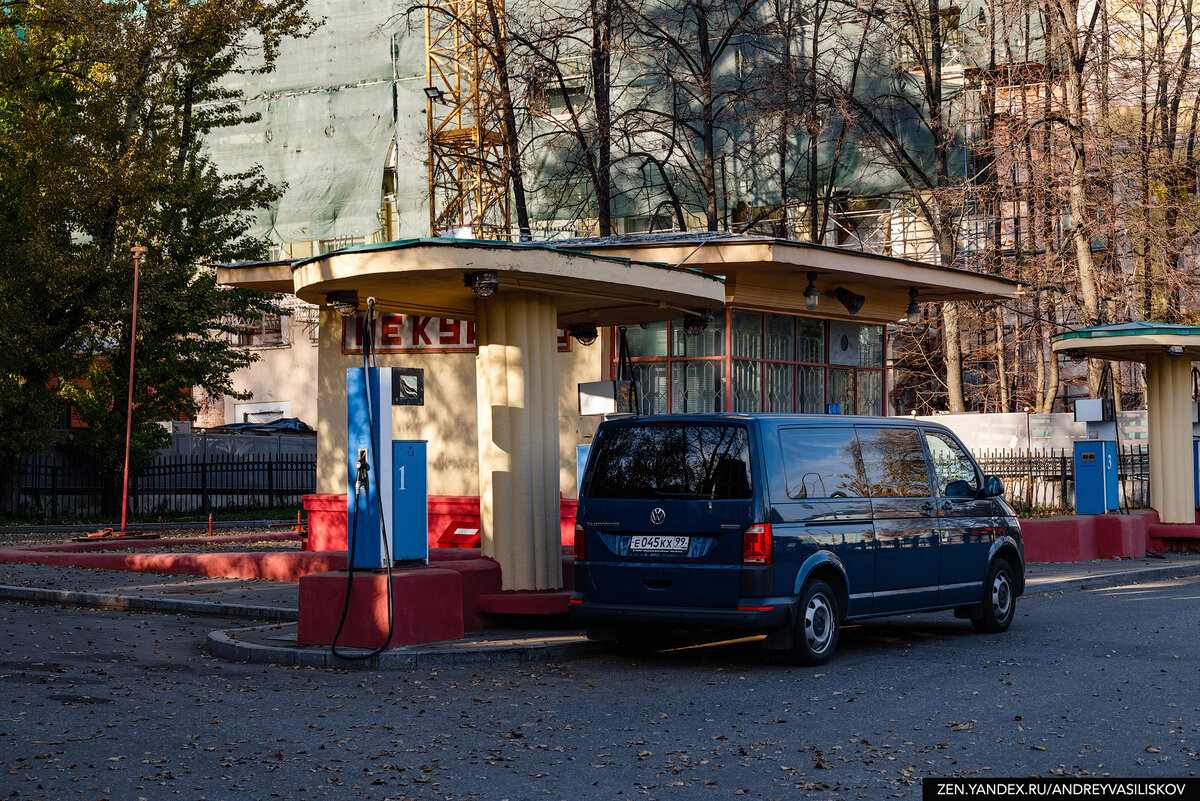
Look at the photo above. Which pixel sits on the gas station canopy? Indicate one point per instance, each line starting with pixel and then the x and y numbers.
pixel 1134 341
pixel 426 276
pixel 1167 350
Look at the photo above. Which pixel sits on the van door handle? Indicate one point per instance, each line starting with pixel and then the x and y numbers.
pixel 947 506
pixel 927 507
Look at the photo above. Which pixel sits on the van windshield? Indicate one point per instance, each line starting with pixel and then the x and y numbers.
pixel 670 460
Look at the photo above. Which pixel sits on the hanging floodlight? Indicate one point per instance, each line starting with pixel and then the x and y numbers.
pixel 585 333
pixel 913 312
pixel 695 324
pixel 343 301
pixel 483 284
pixel 812 296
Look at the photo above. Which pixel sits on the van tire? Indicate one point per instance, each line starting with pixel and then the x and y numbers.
pixel 816 626
pixel 635 641
pixel 999 599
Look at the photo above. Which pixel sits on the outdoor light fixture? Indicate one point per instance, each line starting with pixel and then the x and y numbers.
pixel 851 300
pixel 1173 351
pixel 586 333
pixel 694 324
pixel 433 93
pixel 812 295
pixel 913 312
pixel 1076 354
pixel 483 284
pixel 344 301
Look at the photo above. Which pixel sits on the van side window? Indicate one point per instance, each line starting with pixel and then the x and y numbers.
pixel 671 461
pixel 895 462
pixel 822 463
pixel 952 467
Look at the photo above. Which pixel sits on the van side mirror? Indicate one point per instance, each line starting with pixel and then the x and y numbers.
pixel 993 487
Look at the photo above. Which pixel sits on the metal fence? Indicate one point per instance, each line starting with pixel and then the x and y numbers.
pixel 1045 479
pixel 50 487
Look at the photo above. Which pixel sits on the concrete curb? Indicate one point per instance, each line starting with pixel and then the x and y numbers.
pixel 141 603
pixel 1115 579
pixel 228 645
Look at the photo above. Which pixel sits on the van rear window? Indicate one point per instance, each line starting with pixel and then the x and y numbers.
pixel 671 461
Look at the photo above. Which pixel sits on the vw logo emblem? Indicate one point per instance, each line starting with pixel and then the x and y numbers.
pixel 657 515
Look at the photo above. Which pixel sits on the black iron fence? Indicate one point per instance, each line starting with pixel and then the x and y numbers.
pixel 1044 480
pixel 50 487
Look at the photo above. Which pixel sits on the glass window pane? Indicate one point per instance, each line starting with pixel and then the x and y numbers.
pixel 677 461
pixel 870 346
pixel 870 392
pixel 844 342
pixel 781 337
pixel 894 462
pixel 841 389
pixel 812 340
pixel 651 378
pixel 747 386
pixel 780 394
pixel 746 337
pixel 822 463
pixel 709 342
pixel 697 386
pixel 647 339
pixel 811 390
pixel 953 469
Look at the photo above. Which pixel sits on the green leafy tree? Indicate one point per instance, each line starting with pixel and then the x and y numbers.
pixel 103 110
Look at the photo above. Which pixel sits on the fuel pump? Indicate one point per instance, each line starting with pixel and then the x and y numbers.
pixel 386 492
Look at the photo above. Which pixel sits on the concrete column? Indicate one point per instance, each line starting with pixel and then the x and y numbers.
pixel 1169 408
pixel 517 392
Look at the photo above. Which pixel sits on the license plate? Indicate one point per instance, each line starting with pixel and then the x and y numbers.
pixel 653 543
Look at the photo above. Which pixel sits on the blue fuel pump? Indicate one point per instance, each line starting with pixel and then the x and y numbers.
pixel 1096 462
pixel 391 515
pixel 386 492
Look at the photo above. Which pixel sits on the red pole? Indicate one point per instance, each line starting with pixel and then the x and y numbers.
pixel 138 252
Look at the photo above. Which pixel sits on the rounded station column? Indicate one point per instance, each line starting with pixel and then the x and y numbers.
pixel 1168 401
pixel 517 392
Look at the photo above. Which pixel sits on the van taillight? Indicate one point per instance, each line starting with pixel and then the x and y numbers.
pixel 579 548
pixel 756 545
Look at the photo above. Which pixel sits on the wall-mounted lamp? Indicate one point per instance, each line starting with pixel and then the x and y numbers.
pixel 586 333
pixel 913 312
pixel 343 301
pixel 812 296
pixel 695 324
pixel 1076 354
pixel 483 284
pixel 1173 351
pixel 851 300
pixel 433 93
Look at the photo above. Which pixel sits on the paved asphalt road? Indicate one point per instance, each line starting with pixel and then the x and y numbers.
pixel 107 705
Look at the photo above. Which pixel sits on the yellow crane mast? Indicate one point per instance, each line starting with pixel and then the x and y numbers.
pixel 468 186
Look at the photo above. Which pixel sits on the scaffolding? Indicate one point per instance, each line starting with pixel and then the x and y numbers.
pixel 468 185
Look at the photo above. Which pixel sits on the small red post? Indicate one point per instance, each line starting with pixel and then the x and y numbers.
pixel 299 526
pixel 210 524
pixel 138 252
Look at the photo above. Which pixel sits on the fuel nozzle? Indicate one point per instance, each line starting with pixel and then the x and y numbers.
pixel 361 471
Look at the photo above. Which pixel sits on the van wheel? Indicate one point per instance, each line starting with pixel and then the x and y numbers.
pixel 816 627
pixel 999 601
pixel 635 641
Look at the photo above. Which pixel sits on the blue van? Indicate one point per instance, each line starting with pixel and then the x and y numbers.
pixel 787 525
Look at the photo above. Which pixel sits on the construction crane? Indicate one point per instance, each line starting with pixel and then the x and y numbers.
pixel 468 186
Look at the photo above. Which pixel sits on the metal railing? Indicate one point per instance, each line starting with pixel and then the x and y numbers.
pixel 1044 480
pixel 48 487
